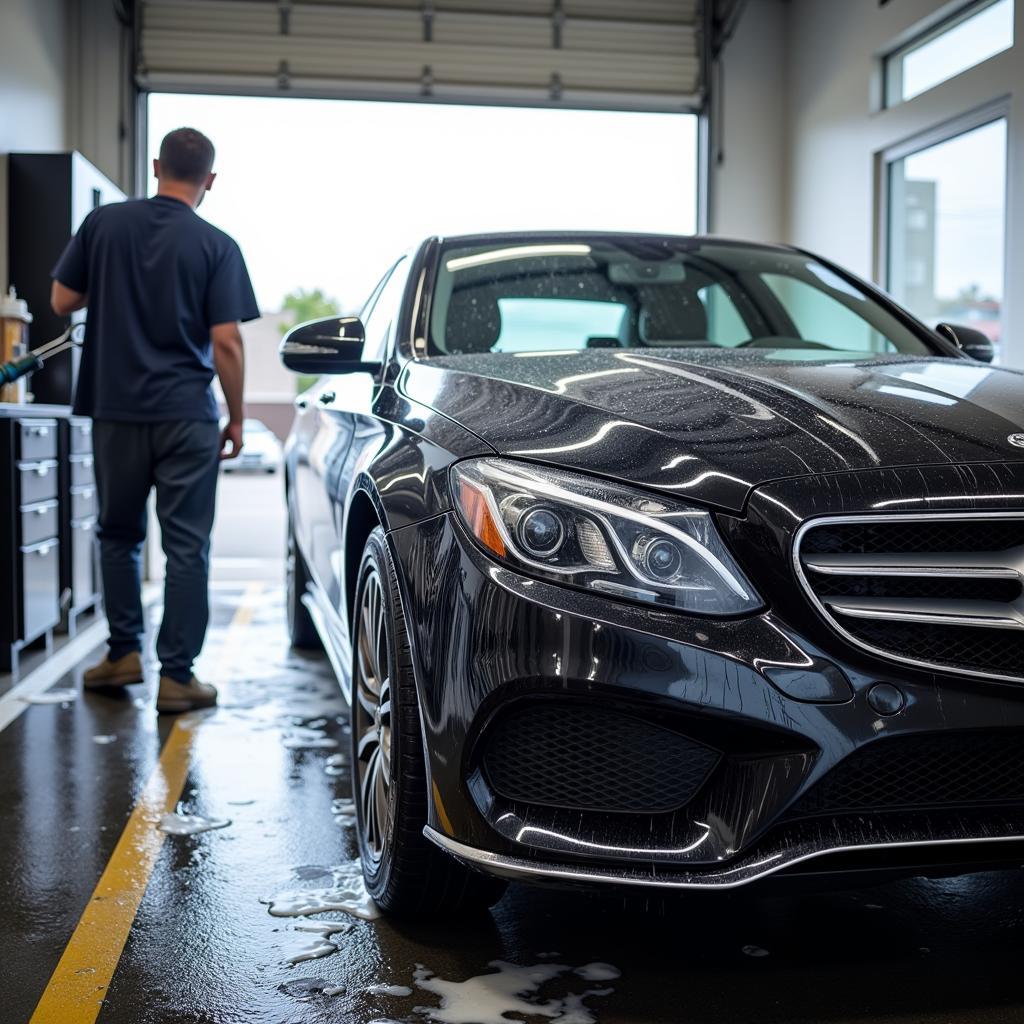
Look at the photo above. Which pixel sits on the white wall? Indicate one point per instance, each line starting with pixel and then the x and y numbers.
pixel 748 139
pixel 826 113
pixel 33 88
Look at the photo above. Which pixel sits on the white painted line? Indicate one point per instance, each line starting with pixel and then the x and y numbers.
pixel 58 664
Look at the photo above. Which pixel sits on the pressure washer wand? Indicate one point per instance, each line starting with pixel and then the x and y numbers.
pixel 10 372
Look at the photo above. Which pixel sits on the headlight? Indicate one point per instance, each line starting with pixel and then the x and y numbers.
pixel 575 530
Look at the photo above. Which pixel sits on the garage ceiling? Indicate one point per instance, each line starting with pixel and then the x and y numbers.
pixel 614 54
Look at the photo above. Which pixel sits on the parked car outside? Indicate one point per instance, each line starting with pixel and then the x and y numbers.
pixel 669 562
pixel 261 450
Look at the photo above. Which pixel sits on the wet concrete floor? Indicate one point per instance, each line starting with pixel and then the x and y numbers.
pixel 203 946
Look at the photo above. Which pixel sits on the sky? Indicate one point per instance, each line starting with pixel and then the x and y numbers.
pixel 328 193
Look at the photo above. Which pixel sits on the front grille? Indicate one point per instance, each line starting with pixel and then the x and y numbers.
pixel 963 770
pixel 593 759
pixel 941 591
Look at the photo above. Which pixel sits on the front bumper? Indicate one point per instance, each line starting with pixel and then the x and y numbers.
pixel 485 640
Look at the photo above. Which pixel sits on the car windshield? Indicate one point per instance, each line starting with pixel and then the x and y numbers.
pixel 558 295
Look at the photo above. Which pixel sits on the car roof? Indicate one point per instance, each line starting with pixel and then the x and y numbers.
pixel 485 238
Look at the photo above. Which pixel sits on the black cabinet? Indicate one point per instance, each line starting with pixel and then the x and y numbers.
pixel 49 195
pixel 30 527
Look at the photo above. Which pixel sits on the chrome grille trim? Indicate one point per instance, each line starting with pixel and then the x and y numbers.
pixel 1007 564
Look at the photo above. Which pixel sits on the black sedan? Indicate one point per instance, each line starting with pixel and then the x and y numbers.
pixel 659 561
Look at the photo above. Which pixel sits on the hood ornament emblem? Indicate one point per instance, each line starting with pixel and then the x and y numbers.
pixel 1017 440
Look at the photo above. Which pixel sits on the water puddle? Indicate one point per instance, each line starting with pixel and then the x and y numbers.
pixel 62 696
pixel 511 989
pixel 181 824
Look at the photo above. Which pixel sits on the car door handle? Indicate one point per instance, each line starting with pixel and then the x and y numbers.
pixel 326 397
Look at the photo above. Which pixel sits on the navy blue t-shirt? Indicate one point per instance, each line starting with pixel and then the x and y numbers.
pixel 158 277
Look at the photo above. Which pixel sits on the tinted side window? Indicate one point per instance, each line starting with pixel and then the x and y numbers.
pixel 384 312
pixel 725 325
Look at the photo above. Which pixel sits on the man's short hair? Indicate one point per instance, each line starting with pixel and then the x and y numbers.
pixel 186 155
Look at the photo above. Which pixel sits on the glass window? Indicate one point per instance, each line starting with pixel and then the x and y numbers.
pixel 947 215
pixel 384 311
pixel 822 319
pixel 537 325
pixel 725 325
pixel 980 32
pixel 553 294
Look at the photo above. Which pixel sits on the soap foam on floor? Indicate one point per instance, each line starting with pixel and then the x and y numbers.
pixel 389 990
pixel 303 738
pixel 346 894
pixel 62 696
pixel 489 998
pixel 181 824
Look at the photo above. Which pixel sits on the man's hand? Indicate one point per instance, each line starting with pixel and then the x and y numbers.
pixel 229 358
pixel 231 440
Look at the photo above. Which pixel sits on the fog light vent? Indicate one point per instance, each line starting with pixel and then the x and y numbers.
pixel 593 759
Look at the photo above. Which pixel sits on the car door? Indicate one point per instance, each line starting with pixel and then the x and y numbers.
pixel 314 433
pixel 345 426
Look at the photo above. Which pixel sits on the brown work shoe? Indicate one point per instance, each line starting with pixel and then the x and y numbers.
pixel 174 697
pixel 123 672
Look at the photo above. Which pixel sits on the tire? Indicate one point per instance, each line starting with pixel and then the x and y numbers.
pixel 404 872
pixel 301 631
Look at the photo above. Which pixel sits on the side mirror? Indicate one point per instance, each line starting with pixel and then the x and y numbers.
pixel 970 341
pixel 331 345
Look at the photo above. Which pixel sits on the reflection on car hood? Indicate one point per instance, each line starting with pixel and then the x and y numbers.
pixel 711 425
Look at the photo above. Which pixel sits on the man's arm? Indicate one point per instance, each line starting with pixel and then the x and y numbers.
pixel 65 300
pixel 229 358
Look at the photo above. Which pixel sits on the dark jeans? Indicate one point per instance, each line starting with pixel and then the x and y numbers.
pixel 179 459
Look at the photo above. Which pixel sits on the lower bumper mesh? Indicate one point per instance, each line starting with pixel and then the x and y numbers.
pixel 593 759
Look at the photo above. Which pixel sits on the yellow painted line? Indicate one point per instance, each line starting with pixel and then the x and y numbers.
pixel 80 981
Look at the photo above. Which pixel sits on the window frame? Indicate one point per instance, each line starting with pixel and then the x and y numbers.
pixel 890 96
pixel 998 110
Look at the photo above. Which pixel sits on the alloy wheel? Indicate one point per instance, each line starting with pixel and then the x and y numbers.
pixel 373 716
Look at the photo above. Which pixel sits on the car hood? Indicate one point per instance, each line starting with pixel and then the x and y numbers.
pixel 712 425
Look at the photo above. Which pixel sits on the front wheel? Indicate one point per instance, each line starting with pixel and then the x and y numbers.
pixel 404 872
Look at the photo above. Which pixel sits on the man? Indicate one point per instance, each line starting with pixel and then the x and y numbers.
pixel 166 291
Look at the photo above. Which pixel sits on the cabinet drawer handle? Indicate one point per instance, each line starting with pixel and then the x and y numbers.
pixel 42 470
pixel 38 431
pixel 42 551
pixel 41 511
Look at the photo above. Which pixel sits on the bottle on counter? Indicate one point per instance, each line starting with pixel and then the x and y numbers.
pixel 14 321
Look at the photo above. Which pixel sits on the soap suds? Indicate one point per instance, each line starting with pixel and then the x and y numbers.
pixel 52 697
pixel 181 824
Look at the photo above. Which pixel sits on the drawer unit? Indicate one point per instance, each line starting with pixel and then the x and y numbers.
pixel 37 440
pixel 83 502
pixel 39 522
pixel 34 506
pixel 37 481
pixel 80 432
pixel 82 474
pixel 40 591
pixel 83 562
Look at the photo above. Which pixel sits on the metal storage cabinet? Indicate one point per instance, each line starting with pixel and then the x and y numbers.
pixel 79 578
pixel 29 529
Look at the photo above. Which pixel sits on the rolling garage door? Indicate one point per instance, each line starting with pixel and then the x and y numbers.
pixel 621 54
